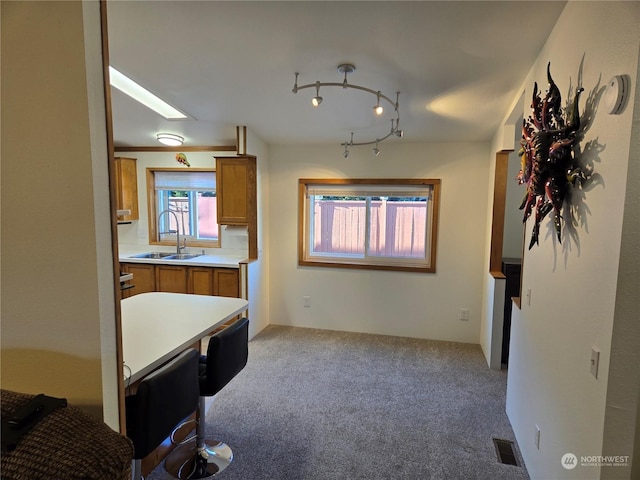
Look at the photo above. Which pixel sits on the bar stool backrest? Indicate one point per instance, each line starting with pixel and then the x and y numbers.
pixel 163 399
pixel 227 355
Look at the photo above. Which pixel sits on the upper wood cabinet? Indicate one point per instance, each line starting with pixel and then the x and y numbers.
pixel 126 187
pixel 236 189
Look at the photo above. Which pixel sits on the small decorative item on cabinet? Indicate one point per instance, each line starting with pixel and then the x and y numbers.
pixel 182 158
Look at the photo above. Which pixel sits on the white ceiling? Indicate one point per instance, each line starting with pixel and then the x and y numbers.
pixel 457 64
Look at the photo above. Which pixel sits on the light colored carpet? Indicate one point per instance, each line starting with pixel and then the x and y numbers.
pixel 317 404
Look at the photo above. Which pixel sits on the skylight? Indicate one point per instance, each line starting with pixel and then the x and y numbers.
pixel 142 95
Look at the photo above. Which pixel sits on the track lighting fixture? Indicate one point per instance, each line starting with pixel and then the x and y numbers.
pixel 378 109
pixel 317 100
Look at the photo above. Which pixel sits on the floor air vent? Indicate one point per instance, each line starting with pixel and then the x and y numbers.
pixel 505 451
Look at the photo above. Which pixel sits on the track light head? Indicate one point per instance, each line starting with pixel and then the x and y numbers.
pixel 378 110
pixel 376 150
pixel 317 100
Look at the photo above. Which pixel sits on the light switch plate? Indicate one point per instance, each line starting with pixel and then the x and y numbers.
pixel 595 361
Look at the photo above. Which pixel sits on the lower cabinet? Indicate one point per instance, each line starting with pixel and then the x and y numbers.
pixel 200 281
pixel 170 278
pixel 224 282
pixel 144 278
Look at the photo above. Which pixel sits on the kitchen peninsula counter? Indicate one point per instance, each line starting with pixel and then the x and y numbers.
pixel 174 321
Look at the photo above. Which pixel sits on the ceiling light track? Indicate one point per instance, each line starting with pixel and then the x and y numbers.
pixel 378 109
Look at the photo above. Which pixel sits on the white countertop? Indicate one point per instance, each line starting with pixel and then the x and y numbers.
pixel 207 260
pixel 156 326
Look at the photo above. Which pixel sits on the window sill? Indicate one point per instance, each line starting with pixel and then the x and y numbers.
pixel 362 266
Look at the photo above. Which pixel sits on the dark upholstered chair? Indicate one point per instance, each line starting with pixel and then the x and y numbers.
pixel 227 355
pixel 66 443
pixel 163 399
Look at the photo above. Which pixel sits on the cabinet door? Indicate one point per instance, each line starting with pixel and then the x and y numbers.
pixel 170 278
pixel 127 187
pixel 226 282
pixel 144 279
pixel 200 281
pixel 235 187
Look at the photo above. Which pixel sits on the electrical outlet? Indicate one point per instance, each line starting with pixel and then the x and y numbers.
pixel 528 297
pixel 307 301
pixel 595 361
pixel 464 314
pixel 537 439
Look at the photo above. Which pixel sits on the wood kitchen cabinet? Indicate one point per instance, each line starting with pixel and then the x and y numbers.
pixel 200 281
pixel 236 190
pixel 171 278
pixel 147 277
pixel 144 277
pixel 126 187
pixel 224 282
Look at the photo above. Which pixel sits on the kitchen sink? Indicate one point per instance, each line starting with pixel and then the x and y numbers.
pixel 153 255
pixel 182 256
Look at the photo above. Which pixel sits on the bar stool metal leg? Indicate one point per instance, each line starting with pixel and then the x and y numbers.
pixel 199 457
pixel 227 355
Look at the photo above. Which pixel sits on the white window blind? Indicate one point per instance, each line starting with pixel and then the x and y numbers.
pixel 423 191
pixel 193 181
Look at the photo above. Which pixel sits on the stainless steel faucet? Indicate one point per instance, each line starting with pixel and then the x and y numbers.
pixel 178 247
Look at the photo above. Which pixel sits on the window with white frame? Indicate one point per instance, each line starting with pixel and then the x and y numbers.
pixel 386 224
pixel 184 202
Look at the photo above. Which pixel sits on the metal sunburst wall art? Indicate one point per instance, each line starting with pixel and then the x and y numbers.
pixel 548 164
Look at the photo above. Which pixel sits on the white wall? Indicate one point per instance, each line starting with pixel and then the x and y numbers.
pixel 623 392
pixel 512 239
pixel 574 284
pixel 393 303
pixel 58 325
pixel 258 294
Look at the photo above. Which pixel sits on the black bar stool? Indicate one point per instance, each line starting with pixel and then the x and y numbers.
pixel 164 398
pixel 227 354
